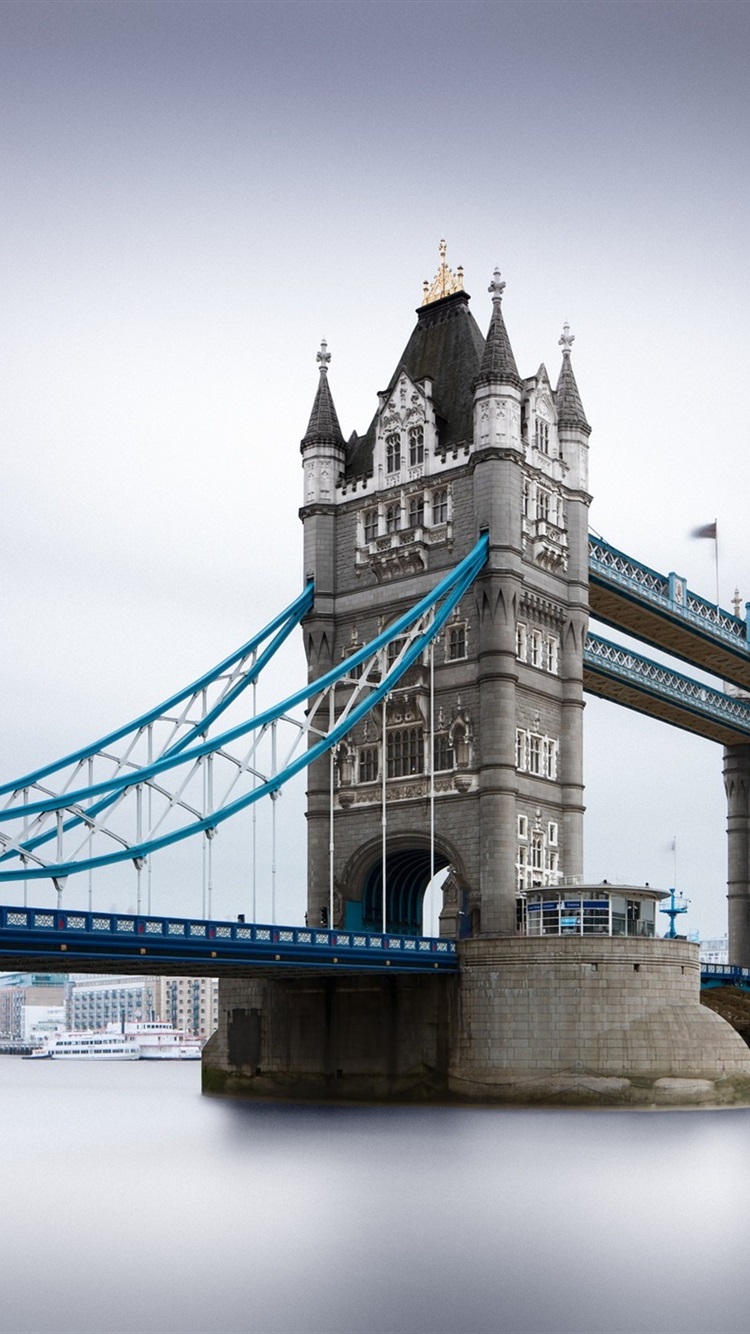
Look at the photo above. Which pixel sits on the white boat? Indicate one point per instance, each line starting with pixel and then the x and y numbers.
pixel 88 1046
pixel 160 1042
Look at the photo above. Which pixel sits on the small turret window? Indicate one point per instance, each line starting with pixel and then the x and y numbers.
pixel 371 525
pixel 393 452
pixel 416 446
pixel 416 512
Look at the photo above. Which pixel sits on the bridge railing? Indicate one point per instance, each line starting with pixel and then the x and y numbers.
pixel 602 656
pixel 725 974
pixel 190 933
pixel 667 591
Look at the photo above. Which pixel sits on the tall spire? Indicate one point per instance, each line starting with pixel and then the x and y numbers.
pixel 567 398
pixel 498 362
pixel 324 423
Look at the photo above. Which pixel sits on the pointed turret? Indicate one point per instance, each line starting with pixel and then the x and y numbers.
pixel 323 448
pixel 567 398
pixel 323 426
pixel 498 363
pixel 498 387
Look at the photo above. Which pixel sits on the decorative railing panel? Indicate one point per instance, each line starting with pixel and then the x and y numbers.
pixel 667 592
pixel 601 655
pixel 153 940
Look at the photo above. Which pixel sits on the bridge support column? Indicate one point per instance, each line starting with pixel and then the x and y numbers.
pixel 737 786
pixel 555 1019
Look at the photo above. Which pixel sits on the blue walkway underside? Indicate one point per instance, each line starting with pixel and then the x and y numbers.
pixel 69 941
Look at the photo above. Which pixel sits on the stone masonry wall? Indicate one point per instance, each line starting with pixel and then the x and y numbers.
pixel 610 1020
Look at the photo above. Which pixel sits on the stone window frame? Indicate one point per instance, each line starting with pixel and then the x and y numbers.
pixel 521 641
pixel 393 517
pixel 552 654
pixel 368 764
pixel 440 505
pixel 416 445
pixel 537 862
pixel 405 750
pixel 443 754
pixel 393 452
pixel 537 754
pixel 371 524
pixel 393 649
pixel 541 435
pixel 416 510
pixel 547 644
pixel 456 642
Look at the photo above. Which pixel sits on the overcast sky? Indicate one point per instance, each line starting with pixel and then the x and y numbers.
pixel 195 193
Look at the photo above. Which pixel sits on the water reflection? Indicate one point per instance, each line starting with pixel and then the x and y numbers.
pixel 131 1205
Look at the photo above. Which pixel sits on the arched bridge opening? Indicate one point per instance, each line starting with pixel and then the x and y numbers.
pixel 408 872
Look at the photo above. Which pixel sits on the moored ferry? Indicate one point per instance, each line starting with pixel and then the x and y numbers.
pixel 88 1046
pixel 160 1042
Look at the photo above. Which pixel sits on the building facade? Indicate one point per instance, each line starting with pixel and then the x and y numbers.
pixel 28 999
pixel 460 444
pixel 188 1003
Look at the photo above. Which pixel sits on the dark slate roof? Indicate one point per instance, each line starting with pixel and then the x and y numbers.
pixel 498 362
pixel 324 423
pixel 446 346
pixel 567 398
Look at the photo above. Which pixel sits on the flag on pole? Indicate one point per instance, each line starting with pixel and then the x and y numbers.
pixel 711 530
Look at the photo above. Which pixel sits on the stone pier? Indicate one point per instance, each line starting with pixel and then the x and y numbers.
pixel 567 1020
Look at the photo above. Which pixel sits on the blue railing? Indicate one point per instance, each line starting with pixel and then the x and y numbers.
pixel 37 932
pixel 725 975
pixel 604 658
pixel 667 593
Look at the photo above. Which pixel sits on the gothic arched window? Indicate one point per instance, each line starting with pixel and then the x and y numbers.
pixel 416 446
pixel 393 451
pixel 440 506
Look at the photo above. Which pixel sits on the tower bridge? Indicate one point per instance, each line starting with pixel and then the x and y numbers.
pixel 449 577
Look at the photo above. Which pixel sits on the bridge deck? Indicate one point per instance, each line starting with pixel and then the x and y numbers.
pixel 661 611
pixel 618 674
pixel 724 975
pixel 47 940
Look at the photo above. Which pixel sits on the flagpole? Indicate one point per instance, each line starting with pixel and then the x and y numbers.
pixel 716 556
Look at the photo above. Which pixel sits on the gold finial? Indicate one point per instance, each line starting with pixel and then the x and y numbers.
pixel 323 356
pixel 445 282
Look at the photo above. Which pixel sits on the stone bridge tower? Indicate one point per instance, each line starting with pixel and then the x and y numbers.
pixel 461 443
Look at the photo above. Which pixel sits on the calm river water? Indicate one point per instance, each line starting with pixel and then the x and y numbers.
pixel 131 1204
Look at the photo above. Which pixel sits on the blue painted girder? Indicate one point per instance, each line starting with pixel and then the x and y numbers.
pixel 62 941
